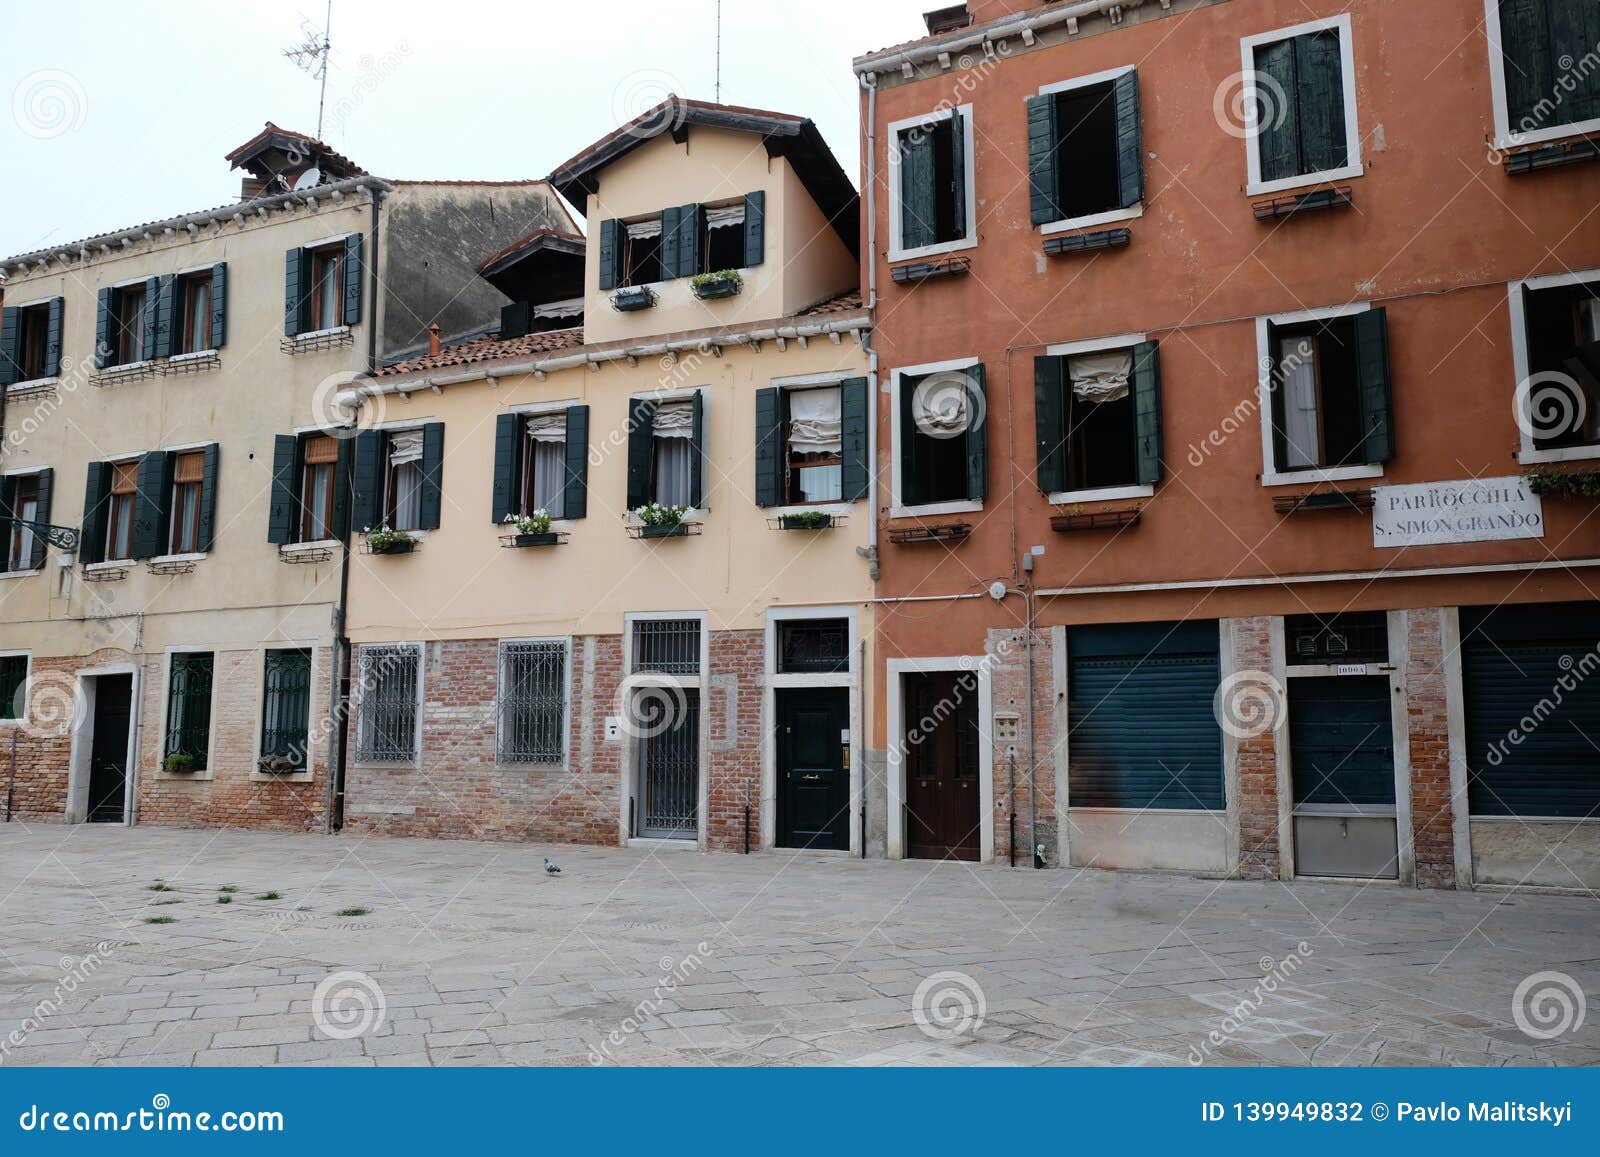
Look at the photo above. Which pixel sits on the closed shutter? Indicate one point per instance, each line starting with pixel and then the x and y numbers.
pixel 1130 139
pixel 610 252
pixel 1050 423
pixel 281 511
pixel 641 451
pixel 1574 41
pixel 219 305
pixel 96 488
pixel 916 188
pixel 1147 410
pixel 366 486
pixel 855 472
pixel 1277 118
pixel 958 175
pixel 52 338
pixel 504 499
pixel 1372 378
pixel 354 276
pixel 343 488
pixel 1140 728
pixel 164 307
pixel 671 239
pixel 910 470
pixel 691 228
pixel 1531 695
pixel 208 497
pixel 296 291
pixel 977 435
pixel 10 345
pixel 1044 194
pixel 432 497
pixel 102 329
pixel 769 446
pixel 151 504
pixel 755 227
pixel 575 495
pixel 697 451
pixel 152 316
pixel 8 505
pixel 45 481
pixel 1525 46
pixel 1319 74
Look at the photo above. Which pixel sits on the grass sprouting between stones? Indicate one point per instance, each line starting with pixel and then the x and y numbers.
pixel 160 919
pixel 353 912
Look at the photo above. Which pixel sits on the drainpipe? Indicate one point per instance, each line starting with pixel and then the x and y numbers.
pixel 870 551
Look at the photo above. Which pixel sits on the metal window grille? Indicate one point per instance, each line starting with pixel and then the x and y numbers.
pixel 533 678
pixel 1352 637
pixel 667 646
pixel 671 775
pixel 286 704
pixel 388 730
pixel 189 707
pixel 13 678
pixel 813 646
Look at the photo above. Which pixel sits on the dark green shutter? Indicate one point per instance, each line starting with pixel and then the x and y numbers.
pixel 354 276
pixel 641 450
pixel 285 491
pixel 103 336
pixel 977 435
pixel 610 252
pixel 208 498
pixel 366 488
pixel 575 495
pixel 219 305
pixel 296 292
pixel 165 306
pixel 671 239
pixel 96 489
pixel 504 498
pixel 1044 195
pixel 10 345
pixel 432 497
pixel 1277 117
pixel 152 504
pixel 910 471
pixel 769 446
pixel 916 188
pixel 755 227
pixel 343 488
pixel 691 228
pixel 1319 71
pixel 1525 47
pixel 152 317
pixel 958 174
pixel 1372 379
pixel 45 481
pixel 855 407
pixel 1049 423
pixel 1574 40
pixel 697 451
pixel 8 509
pixel 1146 386
pixel 52 337
pixel 1130 139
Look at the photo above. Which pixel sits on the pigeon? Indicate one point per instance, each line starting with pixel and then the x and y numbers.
pixel 550 869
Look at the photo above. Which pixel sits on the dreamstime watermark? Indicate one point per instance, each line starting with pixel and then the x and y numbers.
pixel 1249 703
pixel 1549 404
pixel 50 704
pixel 1566 683
pixel 947 404
pixel 1277 973
pixel 23 424
pixel 1548 1004
pixel 1249 103
pixel 160 1117
pixel 948 1005
pixel 966 684
pixel 673 974
pixel 74 975
pixel 348 1004
pixel 1274 372
pixel 650 704
pixel 49 103
pixel 373 71
pixel 646 103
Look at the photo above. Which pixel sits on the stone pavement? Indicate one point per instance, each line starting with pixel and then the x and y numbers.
pixel 473 956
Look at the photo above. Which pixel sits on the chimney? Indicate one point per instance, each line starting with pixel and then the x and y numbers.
pixel 947 19
pixel 251 187
pixel 433 340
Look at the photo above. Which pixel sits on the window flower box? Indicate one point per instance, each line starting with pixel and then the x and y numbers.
pixel 384 540
pixel 632 298
pixel 178 762
pixel 807 520
pixel 664 530
pixel 710 286
pixel 531 530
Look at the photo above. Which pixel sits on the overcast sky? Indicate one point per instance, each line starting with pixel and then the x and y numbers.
pixel 121 110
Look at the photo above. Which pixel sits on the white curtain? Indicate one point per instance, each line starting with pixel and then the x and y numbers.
pixel 673 420
pixel 405 462
pixel 1101 377
pixel 1298 367
pixel 548 427
pixel 405 446
pixel 815 421
pixel 724 215
pixel 549 477
pixel 642 229
pixel 672 469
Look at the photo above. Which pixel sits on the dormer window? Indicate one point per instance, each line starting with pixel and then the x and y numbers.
pixel 723 244
pixel 641 260
pixel 683 240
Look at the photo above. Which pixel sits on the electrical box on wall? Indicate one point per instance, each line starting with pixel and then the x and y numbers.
pixel 613 728
pixel 1005 727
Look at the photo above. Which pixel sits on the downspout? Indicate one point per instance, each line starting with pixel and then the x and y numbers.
pixel 870 83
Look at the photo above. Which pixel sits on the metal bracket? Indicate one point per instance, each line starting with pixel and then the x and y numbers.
pixel 63 537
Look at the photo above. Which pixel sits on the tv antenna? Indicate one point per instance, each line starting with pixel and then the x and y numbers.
pixel 719 51
pixel 311 56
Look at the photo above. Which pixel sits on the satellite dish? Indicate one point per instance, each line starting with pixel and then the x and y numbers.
pixel 309 179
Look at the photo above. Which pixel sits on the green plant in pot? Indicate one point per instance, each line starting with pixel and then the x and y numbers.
pixel 1565 483
pixel 386 540
pixel 721 283
pixel 657 521
pixel 806 520
pixel 178 761
pixel 532 529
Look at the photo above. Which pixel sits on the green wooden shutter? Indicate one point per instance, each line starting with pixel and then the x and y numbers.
pixel 296 292
pixel 219 305
pixel 1130 139
pixel 1277 115
pixel 10 345
pixel 610 252
pixel 164 307
pixel 916 188
pixel 1044 174
pixel 45 480
pixel 755 227
pixel 343 488
pixel 152 504
pixel 366 485
pixel 691 228
pixel 354 276
pixel 503 498
pixel 1372 379
pixel 1319 72
pixel 52 338
pixel 1525 47
pixel 285 491
pixel 1050 423
pixel 575 495
pixel 769 446
pixel 855 406
pixel 102 329
pixel 958 174
pixel 910 468
pixel 152 316
pixel 1574 40
pixel 671 239
pixel 977 435
pixel 641 450
pixel 8 505
pixel 96 488
pixel 432 497
pixel 208 497
pixel 697 451
pixel 1147 411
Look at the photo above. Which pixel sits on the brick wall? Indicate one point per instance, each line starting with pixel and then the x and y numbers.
pixel 1259 851
pixel 1432 812
pixel 1008 665
pixel 37 785
pixel 731 713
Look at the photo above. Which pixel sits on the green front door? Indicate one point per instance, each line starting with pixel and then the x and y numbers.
pixel 813 767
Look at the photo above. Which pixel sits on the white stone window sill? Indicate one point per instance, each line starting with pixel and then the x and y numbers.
pixel 690 516
pixel 128 367
pixel 1564 454
pixel 16 574
pixel 315 334
pixel 110 564
pixel 684 845
pixel 968 242
pixel 1329 474
pixel 935 509
pixel 821 508
pixel 1100 494
pixel 1546 136
pixel 317 544
pixel 32 384
pixel 1260 188
pixel 1108 217
pixel 196 356
pixel 195 556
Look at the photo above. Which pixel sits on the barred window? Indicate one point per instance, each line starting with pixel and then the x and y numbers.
pixel 285 706
pixel 388 725
pixel 667 646
pixel 533 680
pixel 189 707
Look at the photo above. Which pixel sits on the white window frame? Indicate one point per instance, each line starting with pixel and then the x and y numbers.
pixel 211 720
pixel 927 509
pixel 1100 493
pixel 1066 224
pixel 566 703
pixel 694 513
pixel 892 132
pixel 1518 307
pixel 1266 363
pixel 260 715
pixel 1352 129
pixel 421 650
pixel 799 382
pixel 27 683
pixel 1505 137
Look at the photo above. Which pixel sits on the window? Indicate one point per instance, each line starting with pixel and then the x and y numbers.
pixel 193 300
pixel 318 479
pixel 666 646
pixel 119 515
pixel 390 709
pixel 322 288
pixel 188 488
pixel 931 204
pixel 33 340
pixel 665 452
pixel 1326 385
pixel 24 549
pixel 1085 150
pixel 1560 402
pixel 641 261
pixel 1300 102
pixel 532 704
pixel 544 465
pixel 812 445
pixel 541 462
pixel 189 706
pixel 671 434
pixel 128 342
pixel 1098 417
pixel 13 686
pixel 1542 55
pixel 723 244
pixel 286 709
pixel 813 646
pixel 941 453
pixel 327 287
pixel 402 507
pixel 683 240
pixel 1347 637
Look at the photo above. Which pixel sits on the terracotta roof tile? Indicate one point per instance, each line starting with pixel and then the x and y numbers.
pixel 488 350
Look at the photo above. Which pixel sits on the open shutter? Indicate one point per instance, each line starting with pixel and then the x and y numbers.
pixel 151 503
pixel 1147 411
pixel 354 276
pixel 610 252
pixel 52 337
pixel 296 292
pixel 1049 422
pixel 504 498
pixel 697 451
pixel 102 329
pixel 10 345
pixel 1044 196
pixel 855 406
pixel 977 436
pixel 280 514
pixel 575 496
pixel 8 503
pixel 1277 117
pixel 691 228
pixel 343 488
pixel 1320 76
pixel 164 307
pixel 958 174
pixel 366 486
pixel 152 317
pixel 916 188
pixel 92 546
pixel 755 227
pixel 45 481
pixel 1372 380
pixel 431 499
pixel 641 450
pixel 671 239
pixel 208 497
pixel 769 446
pixel 219 305
pixel 1130 139
pixel 910 475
